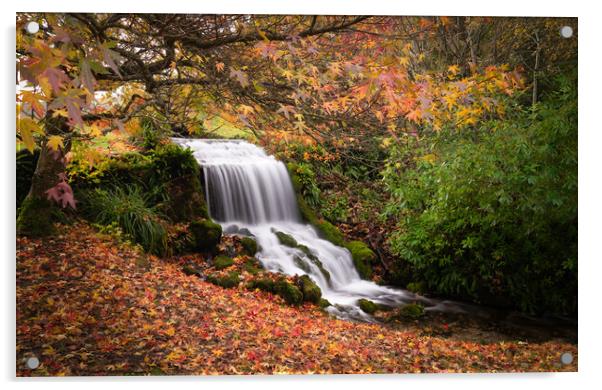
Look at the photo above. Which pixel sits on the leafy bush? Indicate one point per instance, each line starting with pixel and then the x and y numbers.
pixel 128 206
pixel 491 216
pixel 304 181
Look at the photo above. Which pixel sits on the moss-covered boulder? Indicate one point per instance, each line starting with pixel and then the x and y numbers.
pixel 222 262
pixel 226 281
pixel 206 234
pixel 289 292
pixel 252 266
pixel 311 291
pixel 185 199
pixel 249 245
pixel 36 218
pixel 363 257
pixel 324 303
pixel 411 311
pixel 286 239
pixel 263 284
pixel 191 269
pixel 367 306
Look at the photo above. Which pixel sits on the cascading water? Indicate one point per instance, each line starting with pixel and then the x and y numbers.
pixel 249 191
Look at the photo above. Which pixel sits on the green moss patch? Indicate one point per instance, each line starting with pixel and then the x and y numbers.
pixel 249 245
pixel 412 311
pixel 222 262
pixel 226 281
pixel 311 291
pixel 362 256
pixel 367 306
pixel 206 234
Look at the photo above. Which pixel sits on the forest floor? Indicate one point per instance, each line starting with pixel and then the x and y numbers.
pixel 87 305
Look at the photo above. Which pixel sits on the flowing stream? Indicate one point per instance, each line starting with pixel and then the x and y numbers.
pixel 250 192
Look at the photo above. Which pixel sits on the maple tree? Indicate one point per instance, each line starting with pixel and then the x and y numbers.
pixel 315 77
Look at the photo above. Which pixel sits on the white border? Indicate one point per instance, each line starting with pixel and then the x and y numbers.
pixel 590 195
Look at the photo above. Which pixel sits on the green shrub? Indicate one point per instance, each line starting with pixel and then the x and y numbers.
pixel 304 182
pixel 491 216
pixel 129 207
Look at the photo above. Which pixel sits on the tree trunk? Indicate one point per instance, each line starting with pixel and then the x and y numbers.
pixel 36 213
pixel 536 68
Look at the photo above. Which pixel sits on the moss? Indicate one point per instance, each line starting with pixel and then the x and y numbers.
pixel 416 287
pixel 362 256
pixel 323 303
pixel 252 266
pixel 289 292
pixel 301 263
pixel 263 284
pixel 311 291
pixel 228 281
pixel 367 306
pixel 331 232
pixel 412 311
pixel 286 239
pixel 206 234
pixel 185 199
pixel 222 262
pixel 190 269
pixel 36 218
pixel 249 245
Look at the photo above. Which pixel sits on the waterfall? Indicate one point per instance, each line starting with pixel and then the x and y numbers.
pixel 249 191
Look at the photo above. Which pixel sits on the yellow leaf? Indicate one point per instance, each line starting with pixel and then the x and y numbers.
pixel 170 331
pixel 55 142
pixel 26 127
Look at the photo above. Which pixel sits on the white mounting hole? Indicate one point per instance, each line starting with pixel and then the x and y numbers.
pixel 566 31
pixel 32 27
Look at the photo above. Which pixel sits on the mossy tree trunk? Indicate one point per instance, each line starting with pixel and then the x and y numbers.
pixel 36 213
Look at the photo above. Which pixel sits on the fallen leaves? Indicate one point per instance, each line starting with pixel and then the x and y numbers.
pixel 84 307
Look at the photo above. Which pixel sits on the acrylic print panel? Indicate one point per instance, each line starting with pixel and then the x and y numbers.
pixel 255 194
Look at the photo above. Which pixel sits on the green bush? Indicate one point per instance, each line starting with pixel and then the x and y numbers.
pixel 129 207
pixel 491 216
pixel 304 182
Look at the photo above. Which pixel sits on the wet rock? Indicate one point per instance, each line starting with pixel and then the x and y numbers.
pixel 367 306
pixel 206 234
pixel 311 291
pixel 249 245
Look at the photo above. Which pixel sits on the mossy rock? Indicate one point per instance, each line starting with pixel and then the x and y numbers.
pixel 412 311
pixel 228 281
pixel 289 292
pixel 249 245
pixel 206 234
pixel 416 287
pixel 36 218
pixel 286 239
pixel 190 269
pixel 252 266
pixel 301 263
pixel 367 306
pixel 263 284
pixel 323 303
pixel 362 256
pixel 311 291
pixel 331 232
pixel 222 262
pixel 185 199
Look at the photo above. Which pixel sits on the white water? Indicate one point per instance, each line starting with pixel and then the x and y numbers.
pixel 246 188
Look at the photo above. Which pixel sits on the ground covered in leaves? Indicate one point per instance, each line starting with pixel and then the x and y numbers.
pixel 87 305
